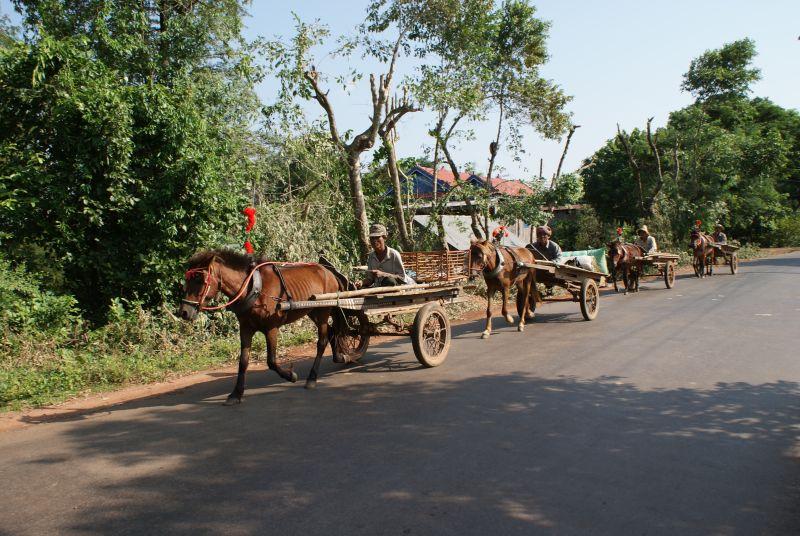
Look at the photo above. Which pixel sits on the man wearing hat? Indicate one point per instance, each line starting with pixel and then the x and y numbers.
pixel 645 241
pixel 719 236
pixel 384 264
pixel 544 246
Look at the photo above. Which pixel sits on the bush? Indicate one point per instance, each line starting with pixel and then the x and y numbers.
pixel 787 231
pixel 24 306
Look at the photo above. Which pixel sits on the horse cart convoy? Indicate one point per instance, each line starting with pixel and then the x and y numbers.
pixel 266 295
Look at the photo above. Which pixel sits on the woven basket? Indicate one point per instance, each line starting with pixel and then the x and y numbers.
pixel 432 266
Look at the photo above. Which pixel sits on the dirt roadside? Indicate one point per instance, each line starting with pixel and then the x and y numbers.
pixel 15 420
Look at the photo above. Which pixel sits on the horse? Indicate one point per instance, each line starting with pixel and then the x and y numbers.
pixel 254 288
pixel 624 258
pixel 702 247
pixel 500 267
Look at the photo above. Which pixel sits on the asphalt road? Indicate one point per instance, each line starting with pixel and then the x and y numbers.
pixel 675 412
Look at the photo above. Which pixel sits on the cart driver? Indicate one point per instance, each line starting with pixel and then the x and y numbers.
pixel 719 234
pixel 384 264
pixel 645 240
pixel 544 246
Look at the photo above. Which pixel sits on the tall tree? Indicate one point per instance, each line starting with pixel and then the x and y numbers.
pixel 726 71
pixel 123 164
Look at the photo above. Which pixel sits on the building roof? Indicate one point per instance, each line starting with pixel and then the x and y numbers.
pixel 513 187
pixel 458 231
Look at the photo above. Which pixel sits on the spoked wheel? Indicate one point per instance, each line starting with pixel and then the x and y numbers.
pixel 734 263
pixel 352 338
pixel 669 275
pixel 590 299
pixel 430 335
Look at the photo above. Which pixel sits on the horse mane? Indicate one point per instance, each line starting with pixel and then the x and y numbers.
pixel 231 257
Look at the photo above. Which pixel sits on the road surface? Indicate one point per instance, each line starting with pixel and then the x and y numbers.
pixel 675 412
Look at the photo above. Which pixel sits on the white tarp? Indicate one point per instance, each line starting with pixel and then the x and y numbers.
pixel 458 231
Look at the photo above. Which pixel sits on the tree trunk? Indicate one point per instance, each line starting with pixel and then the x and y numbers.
pixel 394 175
pixel 359 207
pixel 493 148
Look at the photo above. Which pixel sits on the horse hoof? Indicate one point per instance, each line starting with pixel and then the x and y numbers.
pixel 232 401
pixel 520 328
pixel 311 384
pixel 339 359
pixel 509 319
pixel 530 318
pixel 485 335
pixel 293 377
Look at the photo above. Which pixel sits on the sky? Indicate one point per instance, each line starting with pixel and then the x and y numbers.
pixel 622 61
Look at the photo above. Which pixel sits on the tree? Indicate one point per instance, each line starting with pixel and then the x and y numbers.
pixel 722 72
pixel 294 66
pixel 123 166
pixel 489 61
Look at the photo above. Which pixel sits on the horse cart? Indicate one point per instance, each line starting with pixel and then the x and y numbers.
pixel 664 263
pixel 729 252
pixel 359 313
pixel 584 285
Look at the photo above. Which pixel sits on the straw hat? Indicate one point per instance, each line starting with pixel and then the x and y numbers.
pixel 376 229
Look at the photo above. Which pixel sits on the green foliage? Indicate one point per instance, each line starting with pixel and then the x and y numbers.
pixel 25 306
pixel 787 231
pixel 725 71
pixel 736 160
pixel 120 154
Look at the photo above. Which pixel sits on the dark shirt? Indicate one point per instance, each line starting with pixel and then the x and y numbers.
pixel 720 238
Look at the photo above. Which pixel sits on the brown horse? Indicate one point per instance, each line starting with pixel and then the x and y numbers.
pixel 625 259
pixel 702 247
pixel 254 288
pixel 500 266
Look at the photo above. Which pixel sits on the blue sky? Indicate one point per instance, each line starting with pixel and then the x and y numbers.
pixel 621 60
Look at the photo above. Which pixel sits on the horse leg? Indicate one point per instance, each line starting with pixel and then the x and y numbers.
pixel 523 290
pixel 489 293
pixel 272 354
pixel 321 320
pixel 246 339
pixel 626 278
pixel 508 317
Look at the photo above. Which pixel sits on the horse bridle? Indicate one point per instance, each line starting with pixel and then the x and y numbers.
pixel 248 302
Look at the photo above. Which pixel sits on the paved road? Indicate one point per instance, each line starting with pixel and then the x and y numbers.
pixel 675 412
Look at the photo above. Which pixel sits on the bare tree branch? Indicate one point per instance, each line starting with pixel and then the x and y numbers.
pixel 564 154
pixel 322 98
pixel 634 166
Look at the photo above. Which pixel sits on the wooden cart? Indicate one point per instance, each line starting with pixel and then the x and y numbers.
pixel 729 253
pixel 584 285
pixel 665 263
pixel 443 274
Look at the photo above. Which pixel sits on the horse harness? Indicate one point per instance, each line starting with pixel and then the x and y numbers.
pixel 518 264
pixel 253 283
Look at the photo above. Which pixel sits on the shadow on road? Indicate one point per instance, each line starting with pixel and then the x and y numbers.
pixel 493 454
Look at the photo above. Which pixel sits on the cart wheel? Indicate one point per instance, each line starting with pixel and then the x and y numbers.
pixel 734 263
pixel 353 343
pixel 430 335
pixel 669 275
pixel 590 299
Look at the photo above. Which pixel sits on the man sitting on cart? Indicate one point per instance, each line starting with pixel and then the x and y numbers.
pixel 645 241
pixel 719 235
pixel 544 246
pixel 384 264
